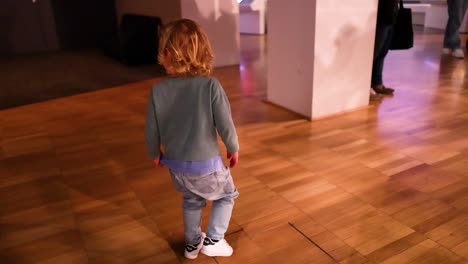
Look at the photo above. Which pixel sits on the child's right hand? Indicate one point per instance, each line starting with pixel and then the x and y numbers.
pixel 157 162
pixel 233 158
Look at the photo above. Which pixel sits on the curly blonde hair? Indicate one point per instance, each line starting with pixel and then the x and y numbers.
pixel 184 49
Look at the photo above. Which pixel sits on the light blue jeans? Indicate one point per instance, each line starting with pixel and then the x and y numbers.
pixel 196 189
pixel 456 11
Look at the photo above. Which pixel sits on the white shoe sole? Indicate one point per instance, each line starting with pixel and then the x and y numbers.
pixel 207 252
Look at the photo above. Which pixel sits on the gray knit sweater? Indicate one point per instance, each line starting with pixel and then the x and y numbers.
pixel 184 114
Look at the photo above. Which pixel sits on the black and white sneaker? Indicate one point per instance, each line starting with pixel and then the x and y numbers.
pixel 216 248
pixel 191 251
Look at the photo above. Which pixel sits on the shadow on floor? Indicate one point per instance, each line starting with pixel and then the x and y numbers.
pixel 39 77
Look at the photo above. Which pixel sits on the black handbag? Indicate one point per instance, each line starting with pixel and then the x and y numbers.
pixel 403 36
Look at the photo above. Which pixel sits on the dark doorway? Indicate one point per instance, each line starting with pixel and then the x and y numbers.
pixel 32 26
pixel 85 23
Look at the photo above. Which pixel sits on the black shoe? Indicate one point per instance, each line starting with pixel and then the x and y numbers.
pixel 375 97
pixel 381 89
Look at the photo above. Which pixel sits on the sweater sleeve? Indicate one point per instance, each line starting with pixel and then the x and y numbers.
pixel 222 118
pixel 152 130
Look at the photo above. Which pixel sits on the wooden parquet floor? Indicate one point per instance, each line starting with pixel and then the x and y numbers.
pixel 385 184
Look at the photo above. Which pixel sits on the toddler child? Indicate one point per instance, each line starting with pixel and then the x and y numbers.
pixel 185 113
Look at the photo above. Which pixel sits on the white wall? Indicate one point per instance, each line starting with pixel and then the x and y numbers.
pixel 437 16
pixel 220 19
pixel 464 25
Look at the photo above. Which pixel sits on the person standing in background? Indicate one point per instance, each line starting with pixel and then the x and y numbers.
pixel 452 42
pixel 386 18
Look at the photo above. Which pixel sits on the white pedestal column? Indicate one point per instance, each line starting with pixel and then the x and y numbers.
pixel 437 15
pixel 320 54
pixel 220 19
pixel 252 15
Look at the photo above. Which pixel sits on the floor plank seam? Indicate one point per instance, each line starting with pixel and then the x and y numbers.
pixel 241 229
pixel 311 241
pixel 74 213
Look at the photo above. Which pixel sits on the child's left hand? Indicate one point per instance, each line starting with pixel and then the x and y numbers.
pixel 233 158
